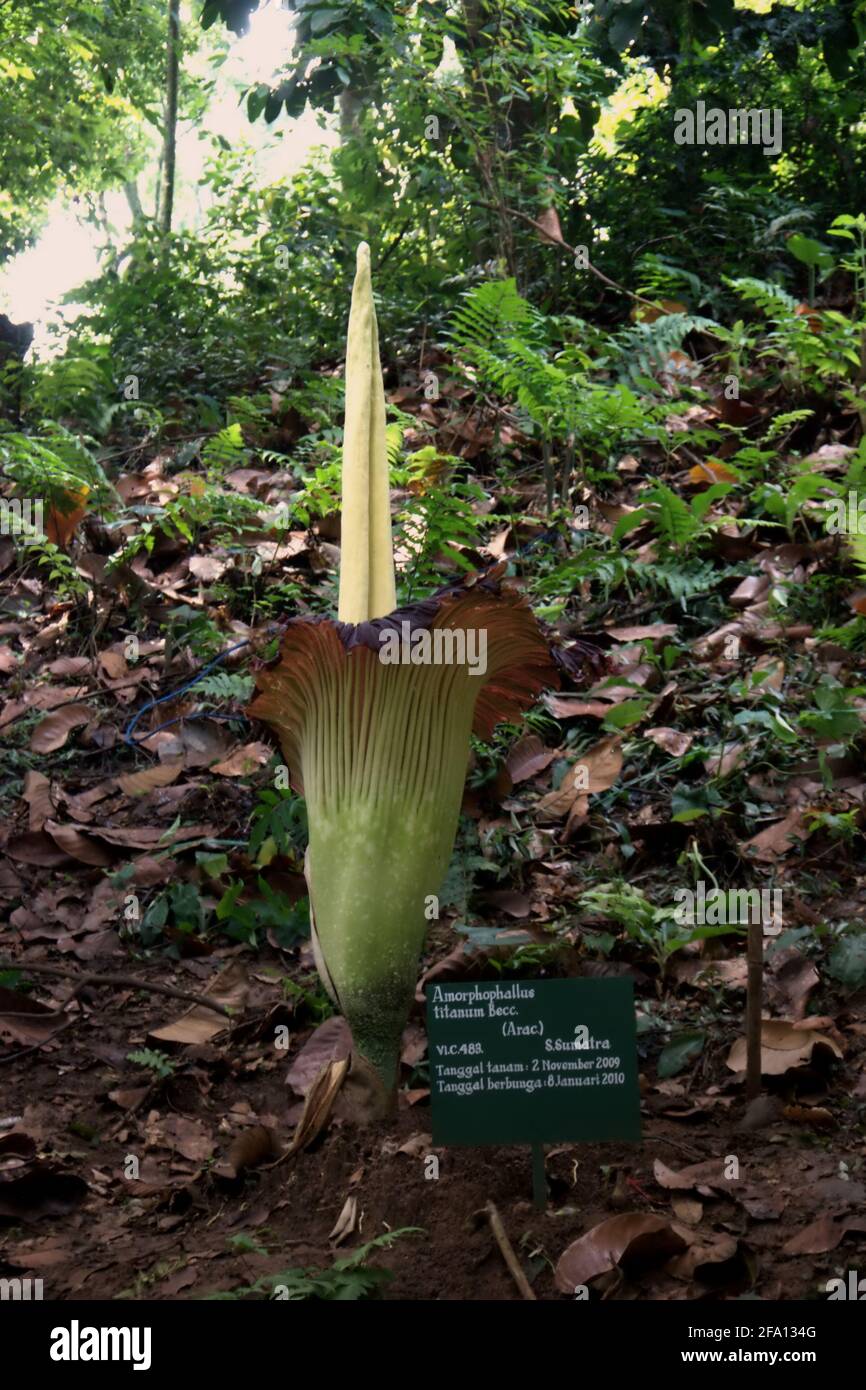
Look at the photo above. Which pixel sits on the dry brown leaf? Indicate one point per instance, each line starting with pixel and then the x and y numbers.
pixel 37 794
pixel 779 838
pixel 723 762
pixel 78 845
pixel 782 1046
pixel 562 707
pixel 346 1223
pixel 548 226
pixel 113 663
pixel 35 847
pixel 636 634
pixel 715 1250
pixel 331 1041
pixel 69 666
pixel 817 1238
pixel 61 520
pixel 708 1174
pixel 159 775
pixel 244 761
pixel 199 1024
pixel 25 1019
pixel 207 568
pixel 671 740
pixel 319 1104
pixel 251 1148
pixel 186 1136
pixel 509 901
pixel 52 732
pixel 633 1239
pixel 528 757
pixel 595 771
pixel 688 1210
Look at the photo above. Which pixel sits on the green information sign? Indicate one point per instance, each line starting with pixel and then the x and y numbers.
pixel 531 1061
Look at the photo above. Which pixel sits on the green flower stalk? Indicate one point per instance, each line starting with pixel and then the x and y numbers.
pixel 380 747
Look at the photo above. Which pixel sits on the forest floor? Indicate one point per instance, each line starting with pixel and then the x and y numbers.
pixel 139 1133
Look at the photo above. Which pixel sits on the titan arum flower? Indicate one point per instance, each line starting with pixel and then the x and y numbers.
pixel 380 748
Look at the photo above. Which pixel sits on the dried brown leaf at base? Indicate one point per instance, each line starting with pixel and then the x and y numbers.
pixel 331 1041
pixel 318 1105
pixel 688 1210
pixel 782 1046
pixel 35 847
pixel 697 1177
pixel 715 1260
pixel 251 1148
pixel 346 1223
pixel 631 1242
pixel 671 740
pixel 638 633
pixel 185 1136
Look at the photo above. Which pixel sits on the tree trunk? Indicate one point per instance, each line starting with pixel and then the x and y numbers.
pixel 166 201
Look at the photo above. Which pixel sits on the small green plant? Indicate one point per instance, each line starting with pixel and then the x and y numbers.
pixel 431 527
pixel 654 928
pixel 288 922
pixel 193 629
pixel 347 1280
pixel 53 465
pixel 176 913
pixel 225 688
pixel 309 997
pixel 161 1066
pixel 278 825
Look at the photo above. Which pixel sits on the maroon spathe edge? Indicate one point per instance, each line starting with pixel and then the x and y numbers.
pixel 575 660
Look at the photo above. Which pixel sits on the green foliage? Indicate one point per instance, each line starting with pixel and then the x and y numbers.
pixel 347 1280
pixel 54 466
pixel 224 688
pixel 73 93
pixel 429 528
pixel 161 1066
pixel 847 960
pixel 176 913
pixel 309 998
pixel 278 825
pixel 270 911
pixel 656 929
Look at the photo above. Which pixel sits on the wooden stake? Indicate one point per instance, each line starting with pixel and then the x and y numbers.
pixel 514 1267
